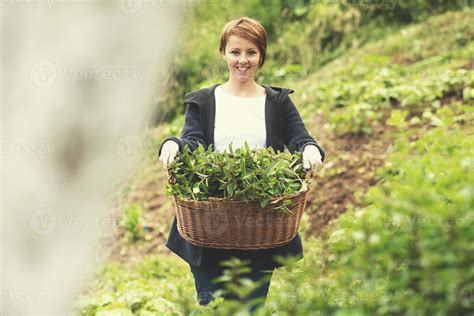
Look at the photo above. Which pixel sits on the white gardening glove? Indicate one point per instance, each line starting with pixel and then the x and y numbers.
pixel 168 152
pixel 312 158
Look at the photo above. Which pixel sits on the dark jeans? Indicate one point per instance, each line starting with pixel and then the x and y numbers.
pixel 206 286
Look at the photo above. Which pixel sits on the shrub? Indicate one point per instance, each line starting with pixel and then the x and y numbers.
pixel 132 221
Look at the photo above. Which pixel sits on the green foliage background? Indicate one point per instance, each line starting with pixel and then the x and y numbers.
pixel 303 36
pixel 404 67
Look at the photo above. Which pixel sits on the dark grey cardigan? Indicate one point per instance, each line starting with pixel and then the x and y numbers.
pixel 283 126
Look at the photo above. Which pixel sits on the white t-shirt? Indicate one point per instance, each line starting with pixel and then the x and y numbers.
pixel 239 120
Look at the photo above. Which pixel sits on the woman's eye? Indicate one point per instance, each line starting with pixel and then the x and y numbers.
pixel 234 52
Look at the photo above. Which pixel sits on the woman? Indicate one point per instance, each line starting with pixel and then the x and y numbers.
pixel 238 111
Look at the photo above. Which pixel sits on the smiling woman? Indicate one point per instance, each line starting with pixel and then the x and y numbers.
pixel 243 46
pixel 233 113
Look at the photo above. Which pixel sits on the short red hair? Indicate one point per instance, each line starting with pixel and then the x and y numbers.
pixel 249 29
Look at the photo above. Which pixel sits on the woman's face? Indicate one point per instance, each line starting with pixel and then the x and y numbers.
pixel 242 58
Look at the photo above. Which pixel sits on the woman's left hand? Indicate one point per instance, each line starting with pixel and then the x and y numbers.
pixel 312 158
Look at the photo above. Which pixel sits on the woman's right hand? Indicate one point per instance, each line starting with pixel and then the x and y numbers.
pixel 168 152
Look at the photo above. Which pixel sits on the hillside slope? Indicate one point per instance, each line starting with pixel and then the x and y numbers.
pixel 408 95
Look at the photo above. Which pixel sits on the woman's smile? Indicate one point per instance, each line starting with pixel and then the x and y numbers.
pixel 243 70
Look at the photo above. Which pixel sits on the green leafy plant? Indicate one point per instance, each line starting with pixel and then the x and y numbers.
pixel 244 173
pixel 132 221
pixel 238 286
pixel 355 105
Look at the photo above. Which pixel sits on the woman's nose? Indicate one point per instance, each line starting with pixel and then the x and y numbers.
pixel 243 58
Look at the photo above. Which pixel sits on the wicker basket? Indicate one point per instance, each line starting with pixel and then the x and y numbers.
pixel 239 224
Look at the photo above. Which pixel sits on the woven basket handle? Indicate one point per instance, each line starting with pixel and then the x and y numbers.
pixel 309 176
pixel 171 178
